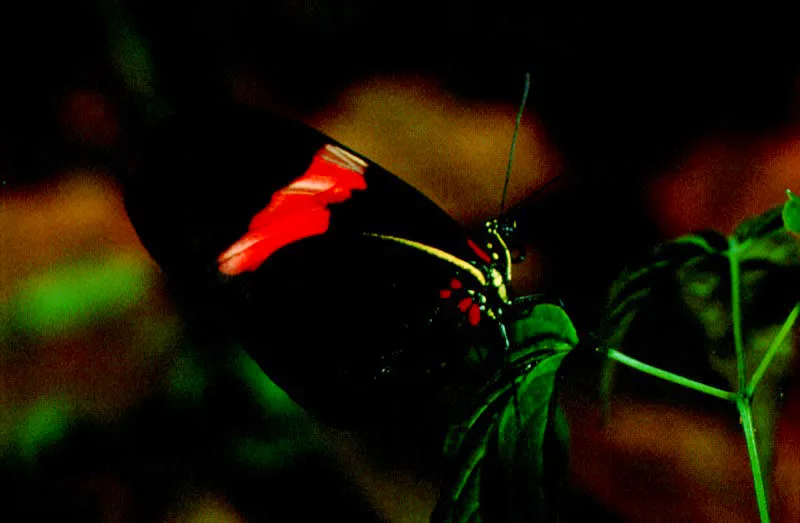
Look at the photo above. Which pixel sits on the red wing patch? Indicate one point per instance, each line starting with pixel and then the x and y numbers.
pixel 297 211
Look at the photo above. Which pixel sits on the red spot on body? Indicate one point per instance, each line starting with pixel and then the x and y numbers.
pixel 481 254
pixel 464 304
pixel 297 211
pixel 474 315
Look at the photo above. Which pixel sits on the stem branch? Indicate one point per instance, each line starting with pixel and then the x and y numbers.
pixel 669 376
pixel 772 351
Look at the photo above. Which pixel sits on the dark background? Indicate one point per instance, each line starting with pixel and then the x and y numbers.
pixel 623 95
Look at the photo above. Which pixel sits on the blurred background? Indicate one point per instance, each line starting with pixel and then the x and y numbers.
pixel 650 123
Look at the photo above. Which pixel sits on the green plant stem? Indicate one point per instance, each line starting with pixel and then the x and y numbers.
pixel 668 376
pixel 743 395
pixel 772 351
pixel 606 383
pixel 736 312
pixel 746 413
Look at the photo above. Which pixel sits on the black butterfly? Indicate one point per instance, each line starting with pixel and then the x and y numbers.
pixel 355 293
pixel 358 287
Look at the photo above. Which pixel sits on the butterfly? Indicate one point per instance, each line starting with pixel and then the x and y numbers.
pixel 362 299
pixel 344 283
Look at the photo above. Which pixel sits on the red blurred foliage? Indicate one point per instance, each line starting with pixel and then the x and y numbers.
pixel 723 181
pixel 89 118
pixel 658 463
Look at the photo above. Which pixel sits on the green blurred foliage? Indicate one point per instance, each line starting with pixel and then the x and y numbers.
pixel 273 454
pixel 129 51
pixel 187 379
pixel 75 296
pixel 43 424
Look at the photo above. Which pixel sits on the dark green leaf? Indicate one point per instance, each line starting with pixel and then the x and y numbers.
pixel 683 289
pixel 508 456
pixel 759 226
pixel 637 286
pixel 547 327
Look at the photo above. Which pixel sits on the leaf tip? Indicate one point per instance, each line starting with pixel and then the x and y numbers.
pixel 791 212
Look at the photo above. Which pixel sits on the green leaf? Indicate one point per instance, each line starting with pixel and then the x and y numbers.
pixel 656 308
pixel 759 226
pixel 546 326
pixel 791 213
pixel 635 286
pixel 508 457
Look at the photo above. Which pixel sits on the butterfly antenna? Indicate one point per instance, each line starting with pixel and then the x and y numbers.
pixel 514 139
